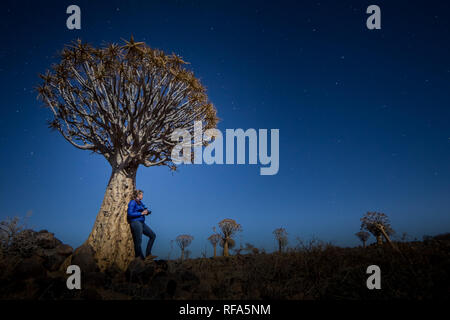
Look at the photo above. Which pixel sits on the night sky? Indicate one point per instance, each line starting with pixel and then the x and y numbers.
pixel 364 117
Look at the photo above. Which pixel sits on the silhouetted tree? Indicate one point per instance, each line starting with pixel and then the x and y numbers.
pixel 228 227
pixel 251 248
pixel 378 224
pixel 170 251
pixel 230 245
pixel 405 236
pixel 281 238
pixel 363 236
pixel 203 253
pixel 214 239
pixel 123 102
pixel 184 241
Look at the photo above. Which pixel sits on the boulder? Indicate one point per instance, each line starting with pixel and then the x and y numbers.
pixel 161 265
pixel 64 250
pixel 46 240
pixel 138 271
pixel 31 267
pixel 171 287
pixel 55 257
pixel 84 257
pixel 160 285
pixel 53 261
pixel 95 279
pixel 189 280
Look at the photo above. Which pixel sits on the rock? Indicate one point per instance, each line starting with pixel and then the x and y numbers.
pixel 162 265
pixel 84 257
pixel 160 285
pixel 138 271
pixel 46 240
pixel 112 271
pixel 171 287
pixel 57 289
pixel 64 250
pixel 53 261
pixel 96 279
pixel 32 267
pixel 189 276
pixel 55 257
pixel 135 266
pixel 189 280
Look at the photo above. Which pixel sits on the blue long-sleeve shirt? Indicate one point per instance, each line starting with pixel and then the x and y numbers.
pixel 134 212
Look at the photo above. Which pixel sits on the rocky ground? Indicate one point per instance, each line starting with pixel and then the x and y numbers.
pixel 34 269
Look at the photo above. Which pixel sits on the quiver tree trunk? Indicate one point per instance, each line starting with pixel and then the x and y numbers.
pixel 388 240
pixel 364 243
pixel 111 236
pixel 182 254
pixel 379 239
pixel 225 247
pixel 215 250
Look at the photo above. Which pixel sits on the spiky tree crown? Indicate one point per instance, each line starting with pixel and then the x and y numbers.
pixel 229 227
pixel 374 222
pixel 280 233
pixel 184 240
pixel 214 238
pixel 363 235
pixel 124 102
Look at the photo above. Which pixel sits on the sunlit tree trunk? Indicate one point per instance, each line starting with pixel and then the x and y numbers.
pixel 379 239
pixel 215 250
pixel 111 236
pixel 225 248
pixel 388 240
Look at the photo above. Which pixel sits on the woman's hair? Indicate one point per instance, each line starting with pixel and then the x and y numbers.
pixel 136 193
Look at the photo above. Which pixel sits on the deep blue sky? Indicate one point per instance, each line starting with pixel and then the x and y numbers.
pixel 364 117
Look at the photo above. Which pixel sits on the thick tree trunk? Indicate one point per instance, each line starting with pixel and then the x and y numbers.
pixel 111 236
pixel 182 254
pixel 279 246
pixel 225 248
pixel 364 244
pixel 380 240
pixel 388 240
pixel 214 251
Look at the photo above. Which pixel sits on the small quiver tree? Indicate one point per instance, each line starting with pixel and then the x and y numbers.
pixel 184 241
pixel 363 236
pixel 281 238
pixel 228 228
pixel 214 239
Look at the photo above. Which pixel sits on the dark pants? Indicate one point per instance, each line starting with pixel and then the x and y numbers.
pixel 137 229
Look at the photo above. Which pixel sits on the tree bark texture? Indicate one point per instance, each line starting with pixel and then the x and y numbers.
pixel 111 235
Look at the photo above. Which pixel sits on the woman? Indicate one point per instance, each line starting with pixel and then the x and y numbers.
pixel 136 218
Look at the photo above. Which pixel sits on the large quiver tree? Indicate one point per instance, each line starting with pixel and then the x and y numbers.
pixel 123 102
